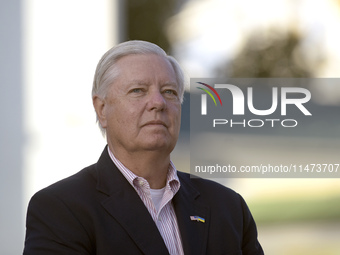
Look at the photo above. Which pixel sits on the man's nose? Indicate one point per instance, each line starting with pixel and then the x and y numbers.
pixel 156 101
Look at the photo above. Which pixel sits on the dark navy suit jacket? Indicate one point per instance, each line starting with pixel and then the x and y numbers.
pixel 96 211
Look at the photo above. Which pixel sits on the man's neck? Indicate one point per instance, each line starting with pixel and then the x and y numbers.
pixel 151 165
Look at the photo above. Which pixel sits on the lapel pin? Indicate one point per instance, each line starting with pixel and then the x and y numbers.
pixel 199 219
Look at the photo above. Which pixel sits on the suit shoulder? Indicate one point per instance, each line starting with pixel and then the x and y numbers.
pixel 77 183
pixel 207 187
pixel 218 196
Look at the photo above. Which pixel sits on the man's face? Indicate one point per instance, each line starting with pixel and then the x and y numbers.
pixel 142 109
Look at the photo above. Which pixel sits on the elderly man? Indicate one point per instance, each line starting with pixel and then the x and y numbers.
pixel 133 200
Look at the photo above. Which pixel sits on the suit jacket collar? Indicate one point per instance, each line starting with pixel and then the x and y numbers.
pixel 124 204
pixel 186 202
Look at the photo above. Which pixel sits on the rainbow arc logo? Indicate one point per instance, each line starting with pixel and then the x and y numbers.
pixel 204 97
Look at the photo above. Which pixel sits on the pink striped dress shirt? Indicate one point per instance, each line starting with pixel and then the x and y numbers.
pixel 165 217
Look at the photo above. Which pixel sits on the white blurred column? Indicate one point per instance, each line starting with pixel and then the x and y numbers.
pixel 63 42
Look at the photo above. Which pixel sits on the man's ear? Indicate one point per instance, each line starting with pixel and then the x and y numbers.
pixel 99 106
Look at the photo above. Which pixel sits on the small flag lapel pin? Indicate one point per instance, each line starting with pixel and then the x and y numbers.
pixel 199 219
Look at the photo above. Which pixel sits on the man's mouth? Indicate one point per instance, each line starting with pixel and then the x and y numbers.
pixel 155 123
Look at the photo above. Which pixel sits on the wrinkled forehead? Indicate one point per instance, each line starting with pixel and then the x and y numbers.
pixel 145 67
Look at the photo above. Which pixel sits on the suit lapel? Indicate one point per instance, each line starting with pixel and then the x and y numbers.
pixel 194 233
pixel 127 208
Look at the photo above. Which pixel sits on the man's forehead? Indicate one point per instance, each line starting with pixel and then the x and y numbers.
pixel 134 63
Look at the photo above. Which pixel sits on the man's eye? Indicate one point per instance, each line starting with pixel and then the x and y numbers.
pixel 170 91
pixel 136 90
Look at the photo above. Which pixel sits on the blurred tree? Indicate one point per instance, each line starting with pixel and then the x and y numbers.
pixel 146 20
pixel 280 55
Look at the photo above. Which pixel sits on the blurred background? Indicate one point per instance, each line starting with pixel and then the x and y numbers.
pixel 49 51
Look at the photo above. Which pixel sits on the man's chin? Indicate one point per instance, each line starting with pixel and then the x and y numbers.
pixel 161 147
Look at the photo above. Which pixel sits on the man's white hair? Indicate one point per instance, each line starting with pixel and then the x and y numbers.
pixel 106 71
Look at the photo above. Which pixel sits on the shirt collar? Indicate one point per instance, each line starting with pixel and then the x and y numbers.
pixel 172 181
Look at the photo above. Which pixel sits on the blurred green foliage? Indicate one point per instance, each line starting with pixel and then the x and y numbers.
pixel 296 210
